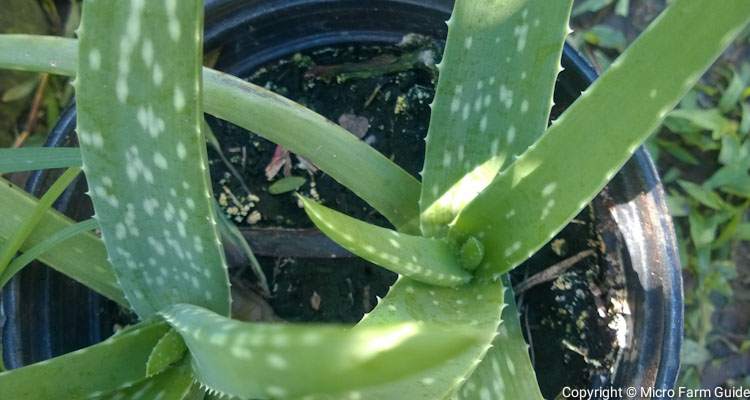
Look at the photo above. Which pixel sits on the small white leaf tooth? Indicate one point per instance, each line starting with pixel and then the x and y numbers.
pixel 568 30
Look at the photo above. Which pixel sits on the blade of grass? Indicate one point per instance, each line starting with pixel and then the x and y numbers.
pixel 14 242
pixel 47 244
pixel 83 256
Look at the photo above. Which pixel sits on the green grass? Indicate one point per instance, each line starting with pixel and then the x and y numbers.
pixel 703 155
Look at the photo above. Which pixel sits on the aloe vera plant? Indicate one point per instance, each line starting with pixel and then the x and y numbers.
pixel 497 184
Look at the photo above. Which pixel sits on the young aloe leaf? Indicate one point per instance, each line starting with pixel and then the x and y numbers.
pixel 16 241
pixel 376 179
pixel 176 383
pixel 144 153
pixel 286 185
pixel 423 259
pixel 119 361
pixel 506 371
pixel 488 108
pixel 47 244
pixel 35 158
pixel 169 350
pixel 477 305
pixel 544 189
pixel 289 361
pixel 81 257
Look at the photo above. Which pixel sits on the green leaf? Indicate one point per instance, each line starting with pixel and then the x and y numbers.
pixel 288 361
pixel 606 37
pixel 20 91
pixel 35 158
pixel 46 245
pixel 477 305
pixel 14 243
pixel 622 8
pixel 590 6
pixel 353 163
pixel 373 177
pixel 745 124
pixel 81 257
pixel 119 361
pixel 506 371
pixel 702 229
pixel 176 383
pixel 144 153
pixel 549 184
pixel 286 185
pixel 233 239
pixel 427 260
pixel 169 350
pixel 708 119
pixel 732 93
pixel 704 196
pixel 488 109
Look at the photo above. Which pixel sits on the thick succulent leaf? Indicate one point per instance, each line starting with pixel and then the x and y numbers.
pixel 44 246
pixel 119 361
pixel 506 371
pixel 423 259
pixel 493 97
pixel 52 54
pixel 546 187
pixel 176 383
pixel 34 158
pixel 13 244
pixel 81 257
pixel 144 154
pixel 477 305
pixel 288 361
pixel 369 174
pixel 168 351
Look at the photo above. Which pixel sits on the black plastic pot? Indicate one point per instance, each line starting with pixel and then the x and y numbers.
pixel 48 314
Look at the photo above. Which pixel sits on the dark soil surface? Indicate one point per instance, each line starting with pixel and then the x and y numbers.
pixel 571 320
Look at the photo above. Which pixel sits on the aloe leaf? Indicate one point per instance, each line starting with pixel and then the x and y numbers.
pixel 373 177
pixel 35 158
pixel 176 383
pixel 117 362
pixel 144 153
pixel 13 244
pixel 82 257
pixel 353 163
pixel 52 54
pixel 488 108
pixel 47 244
pixel 547 186
pixel 477 305
pixel 427 260
pixel 288 361
pixel 168 350
pixel 506 371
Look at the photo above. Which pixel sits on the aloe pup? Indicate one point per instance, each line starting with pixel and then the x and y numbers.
pixel 448 328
